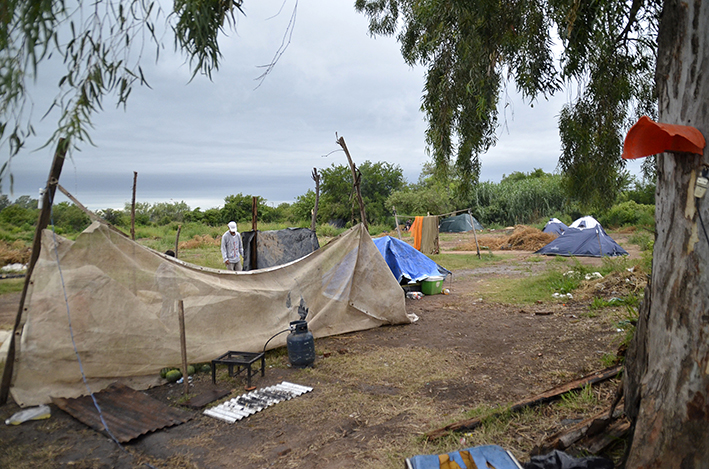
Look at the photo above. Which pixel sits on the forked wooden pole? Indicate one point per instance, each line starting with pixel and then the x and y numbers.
pixel 42 223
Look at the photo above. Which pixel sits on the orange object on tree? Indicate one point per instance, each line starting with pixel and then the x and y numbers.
pixel 648 137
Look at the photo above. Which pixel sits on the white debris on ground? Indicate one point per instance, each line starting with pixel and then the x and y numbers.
pixel 17 267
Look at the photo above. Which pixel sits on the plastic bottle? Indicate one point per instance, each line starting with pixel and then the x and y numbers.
pixel 33 413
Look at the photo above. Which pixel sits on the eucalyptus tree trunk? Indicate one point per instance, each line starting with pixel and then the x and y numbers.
pixel 667 373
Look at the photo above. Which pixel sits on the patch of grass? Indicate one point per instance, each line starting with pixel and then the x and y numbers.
pixel 528 290
pixel 643 240
pixel 579 401
pixel 600 303
pixel 11 285
pixel 467 261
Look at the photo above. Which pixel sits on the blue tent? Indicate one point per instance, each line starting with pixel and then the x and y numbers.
pixel 554 225
pixel 407 263
pixel 584 242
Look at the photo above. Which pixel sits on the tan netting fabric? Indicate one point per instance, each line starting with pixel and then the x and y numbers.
pixel 123 304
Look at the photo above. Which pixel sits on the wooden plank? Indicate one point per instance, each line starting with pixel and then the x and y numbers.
pixel 546 396
pixel 88 212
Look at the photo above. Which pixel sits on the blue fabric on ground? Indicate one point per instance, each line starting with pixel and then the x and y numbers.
pixel 482 455
pixel 407 263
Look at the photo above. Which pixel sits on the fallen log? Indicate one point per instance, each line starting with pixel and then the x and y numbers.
pixel 615 431
pixel 589 427
pixel 546 396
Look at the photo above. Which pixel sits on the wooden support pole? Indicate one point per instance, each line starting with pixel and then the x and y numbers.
pixel 183 346
pixel 177 239
pixel 314 218
pixel 475 235
pixel 355 181
pixel 396 220
pixel 132 208
pixel 42 222
pixel 254 228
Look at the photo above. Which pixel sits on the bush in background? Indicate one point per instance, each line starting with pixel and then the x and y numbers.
pixel 628 213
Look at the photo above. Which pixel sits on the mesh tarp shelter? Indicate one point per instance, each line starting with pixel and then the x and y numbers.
pixel 122 299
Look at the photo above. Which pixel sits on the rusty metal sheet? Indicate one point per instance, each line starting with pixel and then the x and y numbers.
pixel 128 413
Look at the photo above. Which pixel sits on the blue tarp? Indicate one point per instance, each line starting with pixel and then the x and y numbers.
pixel 482 456
pixel 588 242
pixel 406 263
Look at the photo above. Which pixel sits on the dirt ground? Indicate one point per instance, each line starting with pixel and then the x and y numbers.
pixel 375 393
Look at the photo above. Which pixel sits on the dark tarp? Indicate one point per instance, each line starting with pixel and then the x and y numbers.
pixel 560 460
pixel 406 263
pixel 588 242
pixel 278 247
pixel 459 223
pixel 556 226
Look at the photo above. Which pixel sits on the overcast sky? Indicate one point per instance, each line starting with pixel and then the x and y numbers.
pixel 199 142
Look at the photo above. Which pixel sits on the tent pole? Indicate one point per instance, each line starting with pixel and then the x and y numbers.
pixel 42 223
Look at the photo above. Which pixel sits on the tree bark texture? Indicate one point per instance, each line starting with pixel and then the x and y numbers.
pixel 667 385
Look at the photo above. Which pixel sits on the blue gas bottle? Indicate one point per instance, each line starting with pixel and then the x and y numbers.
pixel 300 344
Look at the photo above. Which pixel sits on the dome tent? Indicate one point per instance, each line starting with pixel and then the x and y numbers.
pixel 459 223
pixel 585 238
pixel 554 225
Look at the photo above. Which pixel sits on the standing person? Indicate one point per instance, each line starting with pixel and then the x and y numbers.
pixel 232 248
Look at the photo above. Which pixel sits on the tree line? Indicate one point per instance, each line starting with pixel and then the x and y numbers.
pixel 519 198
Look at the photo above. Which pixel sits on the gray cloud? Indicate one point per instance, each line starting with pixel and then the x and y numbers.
pixel 201 141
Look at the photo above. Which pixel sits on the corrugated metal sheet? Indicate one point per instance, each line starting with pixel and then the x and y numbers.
pixel 128 413
pixel 255 401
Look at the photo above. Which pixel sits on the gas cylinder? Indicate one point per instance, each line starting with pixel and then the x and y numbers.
pixel 300 345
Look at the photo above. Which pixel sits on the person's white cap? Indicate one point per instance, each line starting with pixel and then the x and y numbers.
pixel 232 226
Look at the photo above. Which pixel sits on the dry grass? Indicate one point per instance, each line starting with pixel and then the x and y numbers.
pixel 15 252
pixel 614 285
pixel 199 241
pixel 523 238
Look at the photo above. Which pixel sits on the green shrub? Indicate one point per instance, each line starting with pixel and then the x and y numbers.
pixel 628 213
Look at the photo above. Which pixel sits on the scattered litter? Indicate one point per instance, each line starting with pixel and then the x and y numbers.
pixel 414 295
pixel 33 413
pixel 562 295
pixel 446 291
pixel 255 401
pixel 593 276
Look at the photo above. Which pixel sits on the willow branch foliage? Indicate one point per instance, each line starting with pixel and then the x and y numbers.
pixel 472 47
pixel 100 45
